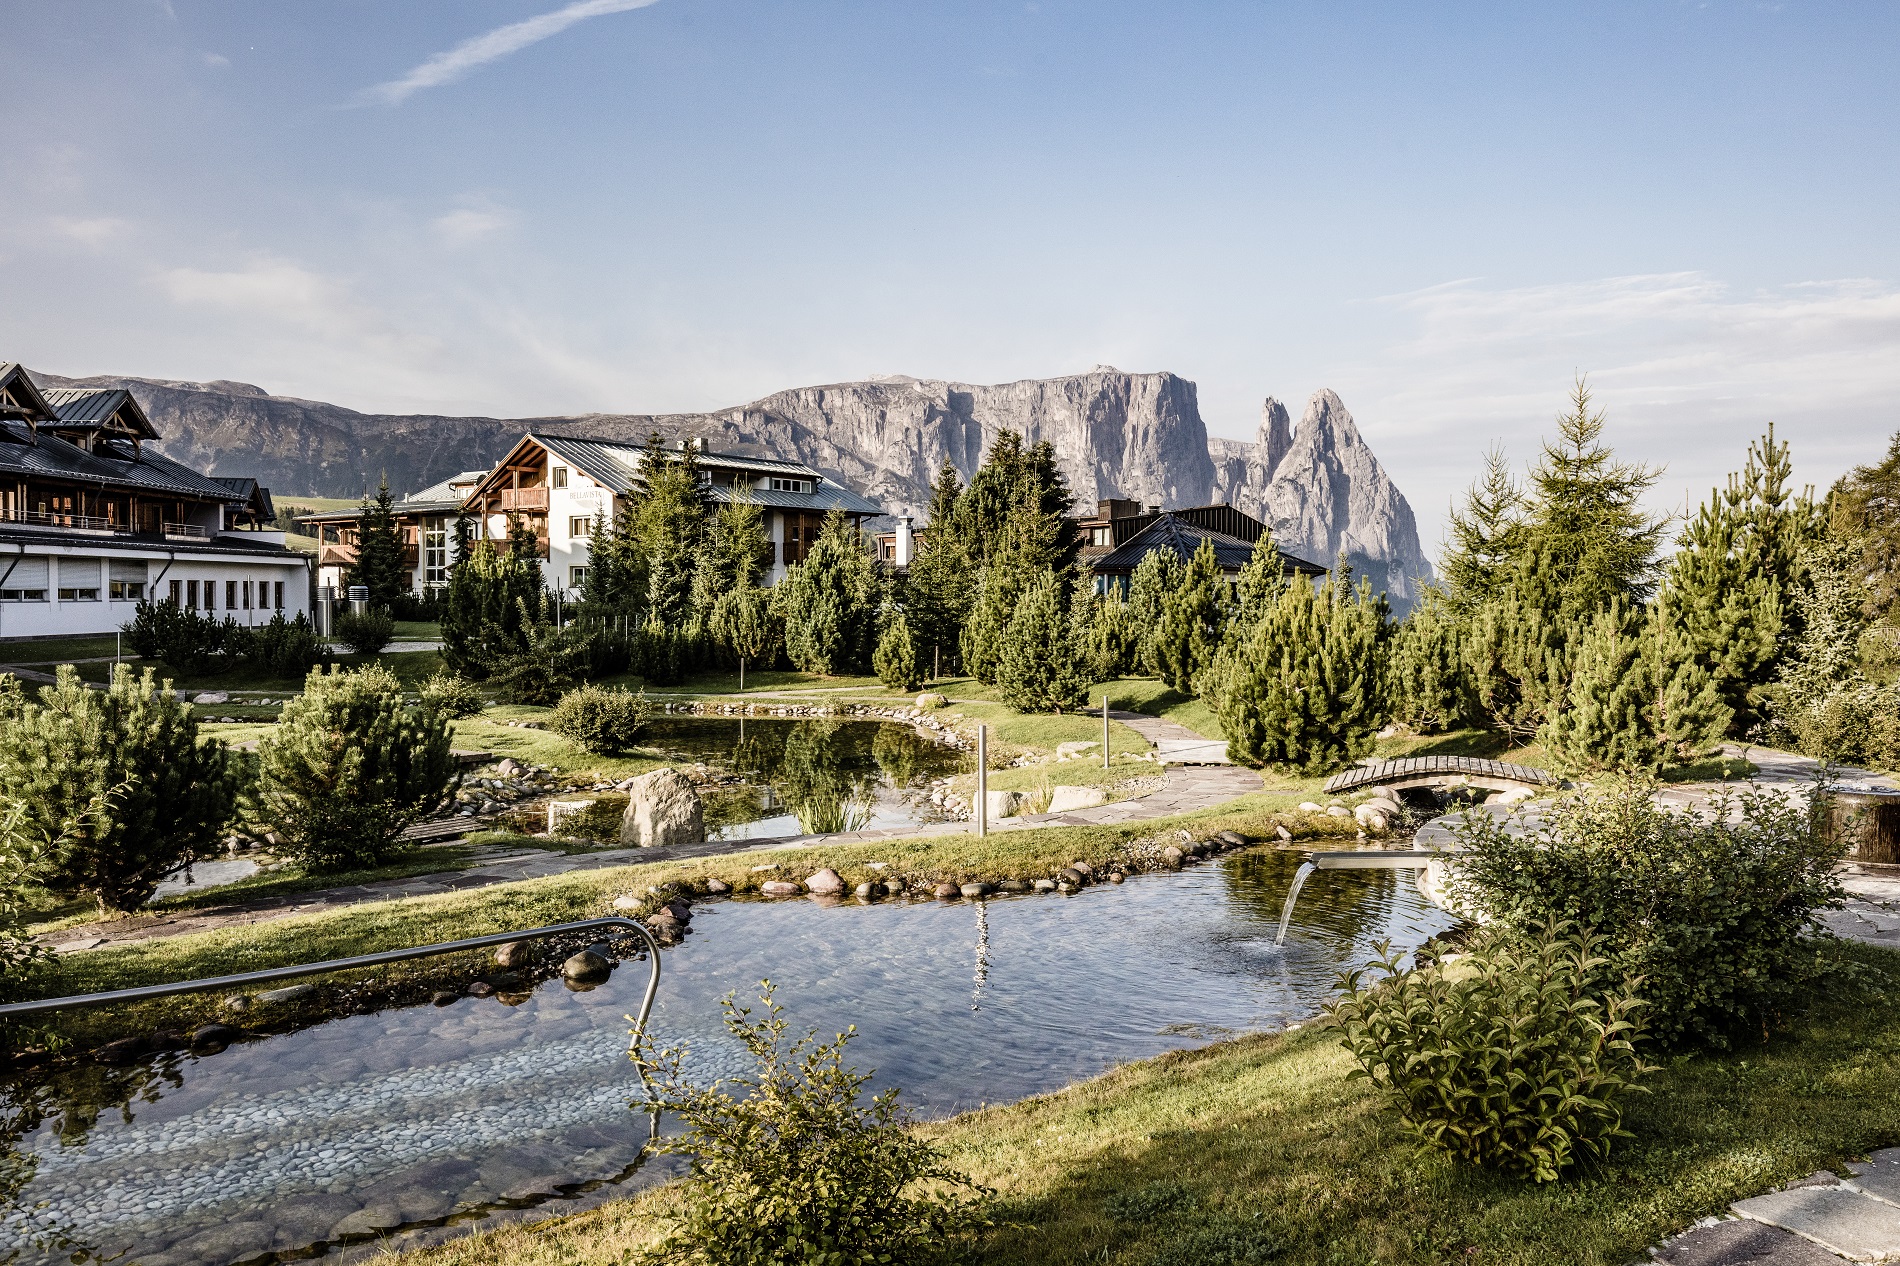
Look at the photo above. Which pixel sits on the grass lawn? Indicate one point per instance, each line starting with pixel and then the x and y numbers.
pixel 486 733
pixel 57 650
pixel 1260 1150
pixel 1158 699
pixel 1023 854
pixel 417 631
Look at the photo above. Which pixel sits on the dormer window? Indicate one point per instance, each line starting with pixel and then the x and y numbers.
pixel 790 485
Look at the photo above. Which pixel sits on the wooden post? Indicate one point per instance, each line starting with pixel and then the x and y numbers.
pixel 982 805
pixel 1871 822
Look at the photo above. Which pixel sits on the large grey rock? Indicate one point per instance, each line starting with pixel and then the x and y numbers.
pixel 1879 1175
pixel 663 809
pixel 1063 799
pixel 1004 804
pixel 826 882
pixel 1742 1243
pixel 1858 1227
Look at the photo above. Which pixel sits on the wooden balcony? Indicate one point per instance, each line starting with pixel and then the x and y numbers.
pixel 513 499
pixel 336 556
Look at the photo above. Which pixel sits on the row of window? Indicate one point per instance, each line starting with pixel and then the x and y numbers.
pixel 196 595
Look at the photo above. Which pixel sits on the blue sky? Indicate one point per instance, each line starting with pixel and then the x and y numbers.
pixel 1440 211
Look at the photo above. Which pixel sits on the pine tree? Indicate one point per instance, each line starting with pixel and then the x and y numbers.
pixel 1518 657
pixel 1730 586
pixel 1037 670
pixel 942 576
pixel 379 563
pixel 1017 502
pixel 1156 576
pixel 1486 537
pixel 1255 591
pixel 829 602
pixel 481 613
pixel 1308 694
pixel 1638 700
pixel 1192 619
pixel 1865 508
pixel 896 657
pixel 743 622
pixel 1431 687
pixel 1106 640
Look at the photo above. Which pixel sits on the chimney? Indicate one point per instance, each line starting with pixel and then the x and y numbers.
pixel 903 547
pixel 1153 510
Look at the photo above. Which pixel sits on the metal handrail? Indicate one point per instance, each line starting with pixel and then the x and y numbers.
pixel 141 993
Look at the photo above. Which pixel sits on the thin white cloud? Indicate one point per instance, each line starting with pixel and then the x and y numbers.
pixel 469 225
pixel 447 67
pixel 98 230
pixel 216 60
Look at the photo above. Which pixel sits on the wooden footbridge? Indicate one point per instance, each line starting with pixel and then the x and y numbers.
pixel 1441 772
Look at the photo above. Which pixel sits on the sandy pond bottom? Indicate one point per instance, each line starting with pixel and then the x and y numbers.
pixel 308 1142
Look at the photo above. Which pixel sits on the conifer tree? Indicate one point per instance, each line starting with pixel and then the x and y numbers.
pixel 1255 592
pixel 942 576
pixel 743 622
pixel 999 586
pixel 1156 576
pixel 1018 501
pixel 1638 700
pixel 896 657
pixel 1104 635
pixel 1192 620
pixel 829 602
pixel 1865 508
pixel 1517 657
pixel 481 613
pixel 1308 693
pixel 1037 670
pixel 379 564
pixel 1486 538
pixel 1431 687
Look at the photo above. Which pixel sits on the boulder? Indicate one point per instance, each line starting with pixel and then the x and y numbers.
pixel 1172 854
pixel 213 1037
pixel 587 967
pixel 1071 876
pixel 679 910
pixel 1075 749
pixel 1045 885
pixel 780 888
pixel 1012 885
pixel 663 810
pixel 1064 799
pixel 1285 836
pixel 212 696
pixel 947 891
pixel 1370 817
pixel 1083 868
pixel 1004 804
pixel 718 887
pixel 289 993
pixel 827 883
pixel 1232 839
pixel 510 768
pixel 931 699
pixel 976 890
pixel 514 954
pixel 1338 811
pixel 867 890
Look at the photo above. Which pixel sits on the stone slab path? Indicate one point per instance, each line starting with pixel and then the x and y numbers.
pixel 1821 1220
pixel 1187 787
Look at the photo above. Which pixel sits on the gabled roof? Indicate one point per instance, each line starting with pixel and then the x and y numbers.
pixel 20 400
pixel 450 491
pixel 1171 531
pixel 89 408
pixel 113 465
pixel 616 466
pixel 251 492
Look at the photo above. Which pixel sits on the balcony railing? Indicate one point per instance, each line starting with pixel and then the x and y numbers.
pixel 188 531
pixel 524 499
pixel 68 522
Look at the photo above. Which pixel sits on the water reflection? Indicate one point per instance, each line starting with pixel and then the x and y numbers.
pixel 368 1123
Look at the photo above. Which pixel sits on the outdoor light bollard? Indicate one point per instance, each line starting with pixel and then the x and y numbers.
pixel 1105 729
pixel 982 781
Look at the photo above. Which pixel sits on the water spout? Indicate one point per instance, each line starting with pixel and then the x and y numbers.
pixel 1292 895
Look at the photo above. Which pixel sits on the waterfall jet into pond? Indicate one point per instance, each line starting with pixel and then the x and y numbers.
pixel 1356 859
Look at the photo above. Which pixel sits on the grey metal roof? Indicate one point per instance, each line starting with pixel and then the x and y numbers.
pixel 1169 531
pixel 48 456
pixel 14 380
pixel 96 406
pixel 616 465
pixel 444 491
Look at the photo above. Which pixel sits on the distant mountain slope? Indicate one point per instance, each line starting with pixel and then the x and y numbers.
pixel 1115 434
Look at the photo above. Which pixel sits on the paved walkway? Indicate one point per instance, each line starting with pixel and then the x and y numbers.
pixel 1187 788
pixel 1821 1220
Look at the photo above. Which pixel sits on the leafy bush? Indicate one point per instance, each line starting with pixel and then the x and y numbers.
pixel 1512 1057
pixel 365 633
pixel 285 648
pixel 799 1170
pixel 1715 908
pixel 451 694
pixel 349 765
pixel 120 779
pixel 601 719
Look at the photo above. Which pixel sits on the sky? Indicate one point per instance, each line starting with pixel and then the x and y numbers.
pixel 1444 212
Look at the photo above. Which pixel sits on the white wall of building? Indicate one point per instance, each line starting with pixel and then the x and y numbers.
pixel 76 586
pixel 575 506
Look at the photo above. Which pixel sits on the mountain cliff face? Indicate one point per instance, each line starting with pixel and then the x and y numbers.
pixel 1115 434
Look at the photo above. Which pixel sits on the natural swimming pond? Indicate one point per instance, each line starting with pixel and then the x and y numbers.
pixel 808 777
pixel 369 1123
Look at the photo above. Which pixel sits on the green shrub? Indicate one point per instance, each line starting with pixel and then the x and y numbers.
pixel 799 1170
pixel 189 642
pixel 1512 1057
pixel 367 632
pixel 451 694
pixel 896 659
pixel 349 766
pixel 120 778
pixel 1714 907
pixel 604 720
pixel 548 659
pixel 286 648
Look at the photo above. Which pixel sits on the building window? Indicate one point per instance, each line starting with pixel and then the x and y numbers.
pixel 576 577
pixel 22 595
pixel 79 580
pixel 191 595
pixel 244 590
pixel 557 478
pixel 127 590
pixel 435 553
pixel 230 595
pixel 580 525
pixel 790 485
pixel 1101 536
pixel 280 595
pixel 76 594
pixel 175 585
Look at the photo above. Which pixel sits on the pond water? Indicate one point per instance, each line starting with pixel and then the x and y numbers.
pixel 286 1144
pixel 808 777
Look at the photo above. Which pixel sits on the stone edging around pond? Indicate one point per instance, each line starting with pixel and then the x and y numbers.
pixel 919 718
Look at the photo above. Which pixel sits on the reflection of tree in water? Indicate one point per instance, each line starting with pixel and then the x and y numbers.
pixel 1350 905
pixel 72 1099
pixel 821 782
pixel 901 753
